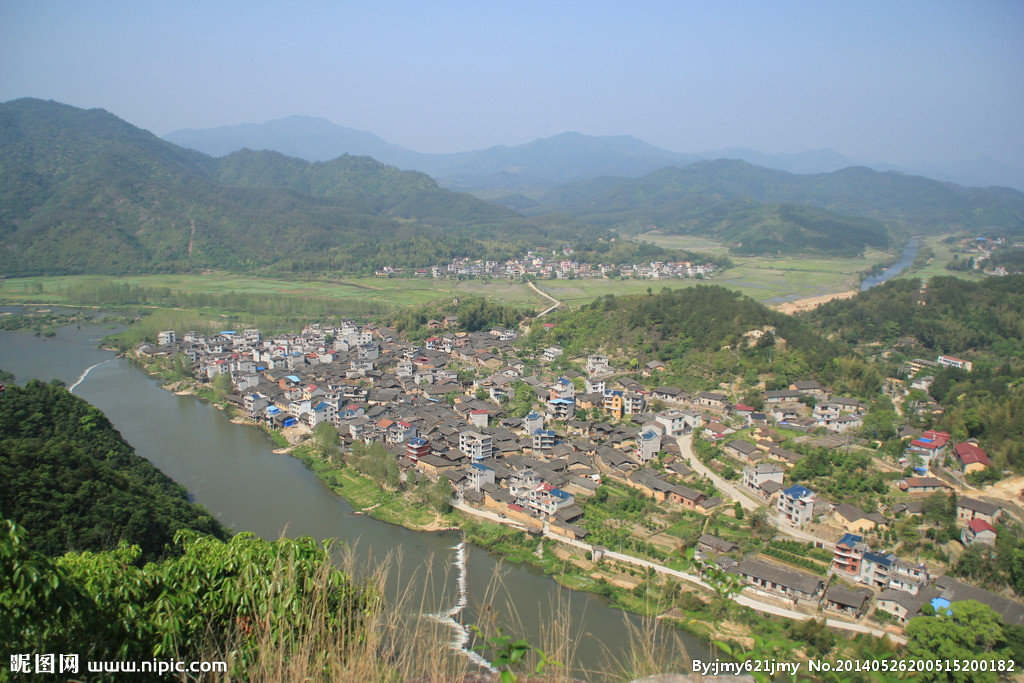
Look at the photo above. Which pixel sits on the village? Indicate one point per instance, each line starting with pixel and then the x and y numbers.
pixel 444 410
pixel 558 267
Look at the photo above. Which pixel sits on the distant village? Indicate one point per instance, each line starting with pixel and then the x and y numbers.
pixel 439 410
pixel 553 267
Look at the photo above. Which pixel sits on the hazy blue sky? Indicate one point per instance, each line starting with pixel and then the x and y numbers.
pixel 900 81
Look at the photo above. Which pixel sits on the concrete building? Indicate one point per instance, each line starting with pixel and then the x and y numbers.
pixel 795 505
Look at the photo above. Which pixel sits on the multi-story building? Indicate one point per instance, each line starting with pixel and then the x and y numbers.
pixel 678 422
pixel 849 554
pixel 532 422
pixel 647 445
pixel 476 445
pixel 755 477
pixel 416 448
pixel 543 439
pixel 795 505
pixel 875 569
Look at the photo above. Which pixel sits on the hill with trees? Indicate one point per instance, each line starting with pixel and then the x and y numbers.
pixel 85 192
pixel 736 200
pixel 73 482
pixel 541 164
pixel 944 315
pixel 979 321
pixel 704 335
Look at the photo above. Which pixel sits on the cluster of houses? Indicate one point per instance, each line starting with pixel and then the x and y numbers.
pixel 543 267
pixel 373 387
pixel 870 579
pixel 894 585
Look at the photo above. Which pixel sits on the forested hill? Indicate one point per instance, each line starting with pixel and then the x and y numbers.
pixel 948 315
pixel 74 483
pixel 733 199
pixel 704 334
pixel 83 191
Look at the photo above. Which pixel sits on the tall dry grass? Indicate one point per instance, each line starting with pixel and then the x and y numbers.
pixel 396 640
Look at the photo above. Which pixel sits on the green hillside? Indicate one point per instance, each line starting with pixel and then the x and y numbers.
pixel 948 315
pixel 75 484
pixel 85 192
pixel 979 321
pixel 754 208
pixel 698 332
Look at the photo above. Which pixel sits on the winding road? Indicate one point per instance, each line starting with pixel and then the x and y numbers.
pixel 737 492
pixel 547 296
pixel 727 487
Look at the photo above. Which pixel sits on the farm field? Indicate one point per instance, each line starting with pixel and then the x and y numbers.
pixel 780 279
pixel 393 291
pixel 769 280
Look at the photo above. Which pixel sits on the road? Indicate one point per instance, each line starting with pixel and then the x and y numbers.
pixel 727 487
pixel 547 310
pixel 737 492
pixel 741 599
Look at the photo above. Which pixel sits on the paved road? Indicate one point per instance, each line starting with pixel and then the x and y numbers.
pixel 737 492
pixel 745 600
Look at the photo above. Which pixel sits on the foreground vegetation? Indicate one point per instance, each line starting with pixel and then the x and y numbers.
pixel 75 484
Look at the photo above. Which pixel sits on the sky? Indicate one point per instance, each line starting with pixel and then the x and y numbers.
pixel 904 82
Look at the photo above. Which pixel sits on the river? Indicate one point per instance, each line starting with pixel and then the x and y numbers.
pixel 232 471
pixel 906 258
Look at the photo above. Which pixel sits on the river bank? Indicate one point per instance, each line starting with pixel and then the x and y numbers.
pixel 235 474
pixel 632 584
pixel 625 585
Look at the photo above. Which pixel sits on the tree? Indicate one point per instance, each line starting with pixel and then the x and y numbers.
pixel 222 385
pixel 326 440
pixel 182 365
pixel 966 631
pixel 939 507
pixel 440 495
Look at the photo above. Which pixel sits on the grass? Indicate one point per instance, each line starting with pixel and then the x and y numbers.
pixel 394 640
pixel 395 291
pixel 765 279
pixel 762 278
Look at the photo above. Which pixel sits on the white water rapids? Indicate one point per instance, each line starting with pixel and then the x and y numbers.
pixel 460 641
pixel 81 377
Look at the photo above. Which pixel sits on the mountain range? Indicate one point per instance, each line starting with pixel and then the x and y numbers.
pixel 841 211
pixel 82 191
pixel 538 166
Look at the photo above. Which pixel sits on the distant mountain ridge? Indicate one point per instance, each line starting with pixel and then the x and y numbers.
pixel 537 166
pixel 737 201
pixel 83 191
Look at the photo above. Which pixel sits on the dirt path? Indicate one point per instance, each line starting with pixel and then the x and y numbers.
pixel 556 303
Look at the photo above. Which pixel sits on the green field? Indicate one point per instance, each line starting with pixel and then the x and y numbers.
pixel 687 242
pixel 396 291
pixel 769 280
